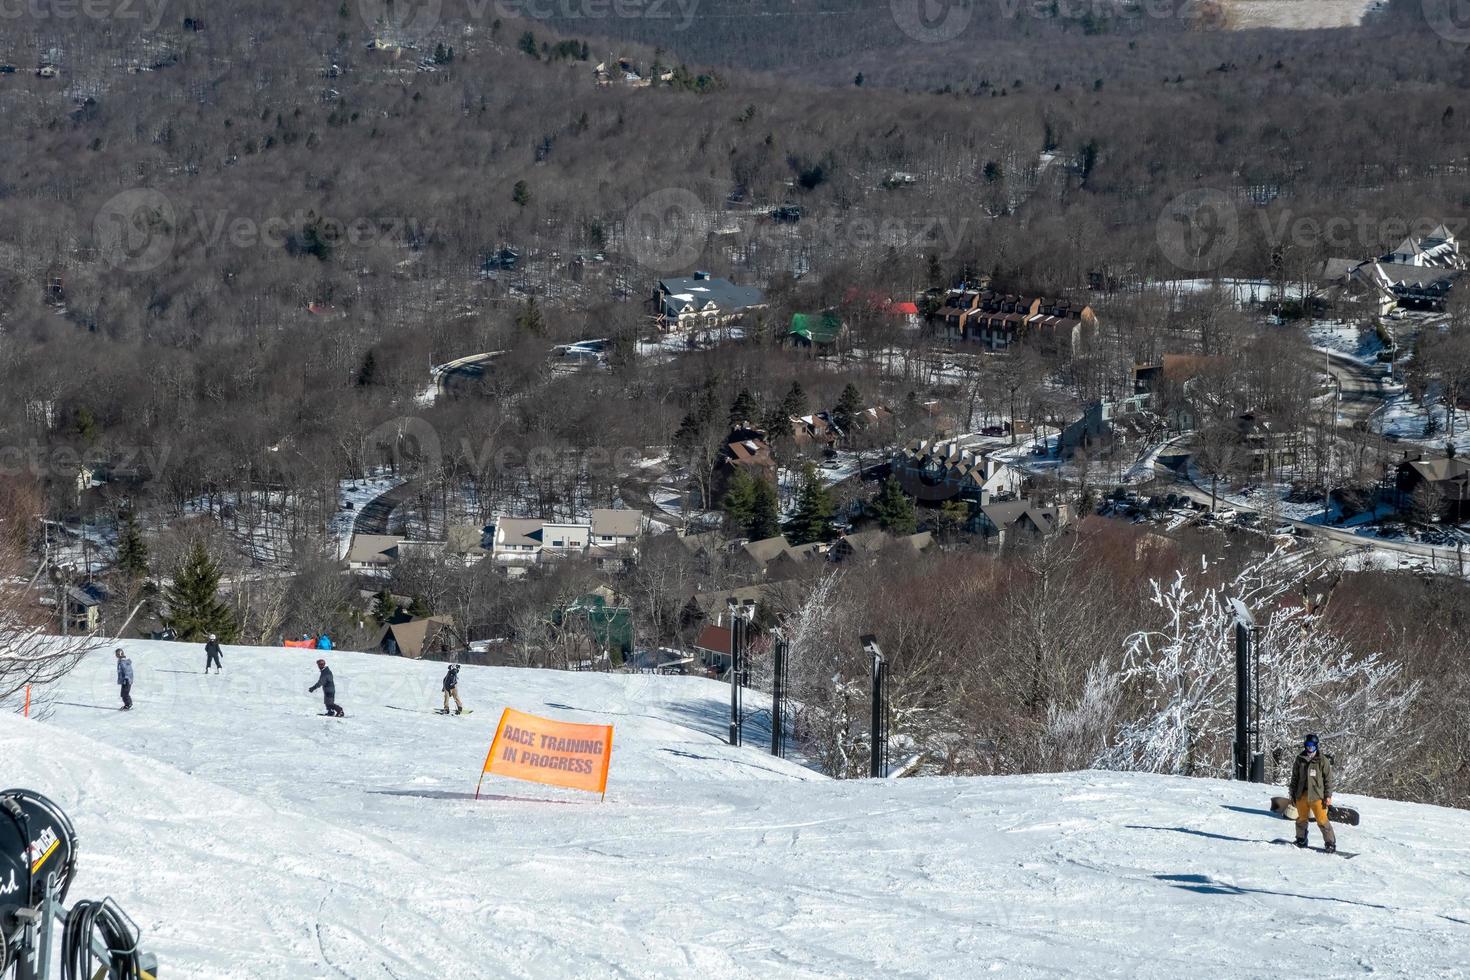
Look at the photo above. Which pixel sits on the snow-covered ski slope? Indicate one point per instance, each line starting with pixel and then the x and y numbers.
pixel 252 838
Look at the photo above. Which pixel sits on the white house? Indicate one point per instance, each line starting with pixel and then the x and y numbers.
pixel 519 540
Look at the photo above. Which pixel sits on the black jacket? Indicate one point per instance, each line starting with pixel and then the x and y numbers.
pixel 325 682
pixel 451 679
pixel 212 648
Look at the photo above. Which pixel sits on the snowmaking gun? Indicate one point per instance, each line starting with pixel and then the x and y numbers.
pixel 38 857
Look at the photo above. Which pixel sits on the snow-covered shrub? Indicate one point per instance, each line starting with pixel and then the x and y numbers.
pixel 1182 679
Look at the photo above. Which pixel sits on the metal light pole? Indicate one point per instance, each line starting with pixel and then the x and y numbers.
pixel 737 655
pixel 778 693
pixel 878 727
pixel 1250 762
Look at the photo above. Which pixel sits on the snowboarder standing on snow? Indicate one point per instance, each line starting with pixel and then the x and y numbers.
pixel 212 655
pixel 1311 790
pixel 451 690
pixel 329 690
pixel 125 679
pixel 324 642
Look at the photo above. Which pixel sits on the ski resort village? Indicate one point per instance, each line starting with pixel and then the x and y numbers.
pixel 735 490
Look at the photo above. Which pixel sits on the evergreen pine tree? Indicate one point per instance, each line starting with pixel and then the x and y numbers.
pixel 194 606
pixel 132 551
pixel 739 500
pixel 849 406
pixel 814 509
pixel 743 409
pixel 384 607
pixel 765 512
pixel 368 373
pixel 521 193
pixel 419 608
pixel 794 404
pixel 777 425
pixel 690 438
pixel 529 318
pixel 893 508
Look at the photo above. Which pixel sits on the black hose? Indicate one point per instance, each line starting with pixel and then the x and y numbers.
pixel 78 962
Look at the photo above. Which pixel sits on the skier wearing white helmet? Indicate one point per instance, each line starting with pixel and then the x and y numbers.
pixel 212 655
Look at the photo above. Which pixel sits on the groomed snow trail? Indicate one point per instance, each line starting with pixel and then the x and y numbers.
pixel 251 837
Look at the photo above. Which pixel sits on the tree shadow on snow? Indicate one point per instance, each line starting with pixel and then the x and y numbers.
pixel 1253 811
pixel 1205 885
pixel 95 707
pixel 1197 833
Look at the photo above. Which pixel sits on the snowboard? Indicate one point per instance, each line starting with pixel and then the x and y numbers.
pixel 1337 814
pixel 1319 850
pixel 441 711
pixel 328 714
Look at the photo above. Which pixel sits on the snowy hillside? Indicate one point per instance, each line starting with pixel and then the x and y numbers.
pixel 251 837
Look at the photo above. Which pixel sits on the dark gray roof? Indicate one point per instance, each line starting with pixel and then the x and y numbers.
pixel 1417 275
pixel 687 290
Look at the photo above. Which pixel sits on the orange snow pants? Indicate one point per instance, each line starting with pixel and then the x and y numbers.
pixel 1316 810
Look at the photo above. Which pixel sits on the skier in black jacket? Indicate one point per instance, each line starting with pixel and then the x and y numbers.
pixel 212 655
pixel 451 690
pixel 329 690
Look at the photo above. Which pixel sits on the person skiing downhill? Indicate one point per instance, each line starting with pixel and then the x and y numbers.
pixel 329 690
pixel 451 690
pixel 212 655
pixel 1311 790
pixel 125 679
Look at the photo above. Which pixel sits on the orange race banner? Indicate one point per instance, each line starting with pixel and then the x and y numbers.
pixel 559 753
pixel 301 644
